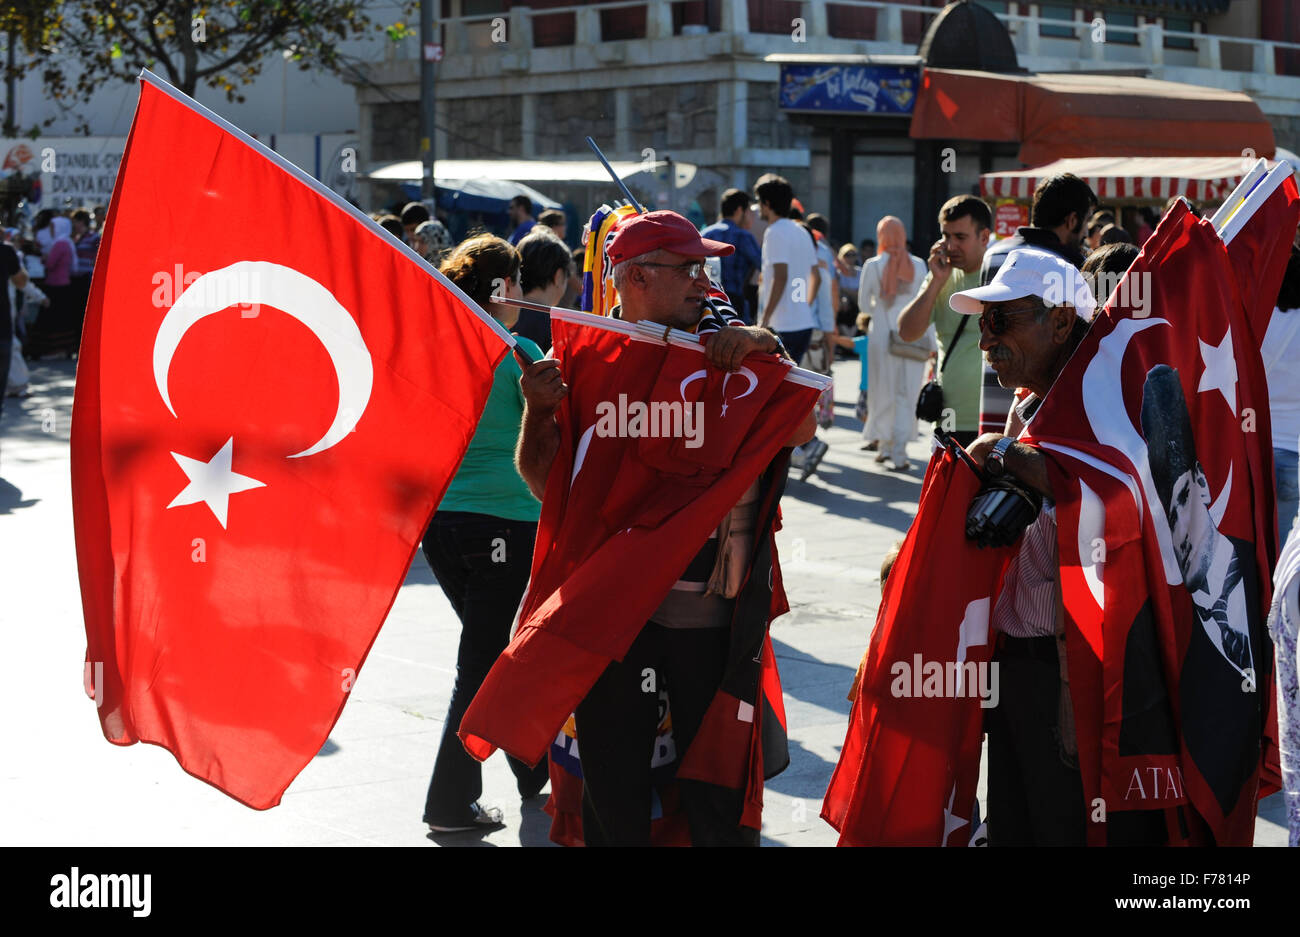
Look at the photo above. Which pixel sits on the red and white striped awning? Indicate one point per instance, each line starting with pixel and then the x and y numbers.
pixel 1203 179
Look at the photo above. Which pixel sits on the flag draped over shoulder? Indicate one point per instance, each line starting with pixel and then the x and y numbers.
pixel 1157 440
pixel 259 438
pixel 909 766
pixel 628 503
pixel 1158 443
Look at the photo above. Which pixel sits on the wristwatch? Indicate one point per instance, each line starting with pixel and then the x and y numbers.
pixel 994 462
pixel 780 345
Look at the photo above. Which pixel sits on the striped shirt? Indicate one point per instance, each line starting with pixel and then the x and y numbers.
pixel 1031 590
pixel 718 314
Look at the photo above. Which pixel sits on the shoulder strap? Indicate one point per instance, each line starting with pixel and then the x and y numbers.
pixel 961 327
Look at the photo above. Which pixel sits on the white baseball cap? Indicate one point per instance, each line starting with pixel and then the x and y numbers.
pixel 1030 272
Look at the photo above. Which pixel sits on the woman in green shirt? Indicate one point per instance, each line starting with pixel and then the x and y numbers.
pixel 480 545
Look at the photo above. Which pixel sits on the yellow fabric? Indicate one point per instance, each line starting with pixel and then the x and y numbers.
pixel 596 262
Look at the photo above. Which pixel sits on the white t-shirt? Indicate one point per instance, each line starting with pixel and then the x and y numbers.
pixel 1280 351
pixel 784 242
pixel 823 314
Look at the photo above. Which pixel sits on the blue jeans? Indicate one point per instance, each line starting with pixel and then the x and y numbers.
pixel 1286 466
pixel 482 563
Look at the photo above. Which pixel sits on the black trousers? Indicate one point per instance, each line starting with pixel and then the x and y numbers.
pixel 616 725
pixel 482 563
pixel 1035 795
pixel 1035 790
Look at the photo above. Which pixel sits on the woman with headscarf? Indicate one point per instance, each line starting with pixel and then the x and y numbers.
pixel 58 327
pixel 431 240
pixel 895 369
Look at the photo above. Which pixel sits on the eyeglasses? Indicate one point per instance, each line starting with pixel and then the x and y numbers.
pixel 692 270
pixel 996 319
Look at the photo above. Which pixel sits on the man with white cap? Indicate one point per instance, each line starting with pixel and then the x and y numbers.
pixel 1032 317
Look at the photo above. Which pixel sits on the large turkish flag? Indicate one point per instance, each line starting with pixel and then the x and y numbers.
pixel 909 767
pixel 626 509
pixel 271 398
pixel 1157 440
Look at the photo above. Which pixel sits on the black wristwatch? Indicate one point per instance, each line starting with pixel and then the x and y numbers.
pixel 994 462
pixel 780 345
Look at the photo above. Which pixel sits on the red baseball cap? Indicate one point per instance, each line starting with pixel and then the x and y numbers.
pixel 662 230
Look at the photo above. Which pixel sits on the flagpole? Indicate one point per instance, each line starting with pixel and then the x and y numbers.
pixel 613 175
pixel 536 307
pixel 651 331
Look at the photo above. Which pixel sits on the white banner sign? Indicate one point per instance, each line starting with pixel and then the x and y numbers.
pixel 73 171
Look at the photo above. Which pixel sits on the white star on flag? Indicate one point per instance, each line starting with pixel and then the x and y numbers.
pixel 212 482
pixel 974 632
pixel 1220 370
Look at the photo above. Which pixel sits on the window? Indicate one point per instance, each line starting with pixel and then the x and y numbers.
pixel 882 185
pixel 1179 24
pixel 1056 11
pixel 1127 34
pixel 481 7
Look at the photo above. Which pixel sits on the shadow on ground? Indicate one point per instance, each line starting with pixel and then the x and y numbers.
pixel 11 498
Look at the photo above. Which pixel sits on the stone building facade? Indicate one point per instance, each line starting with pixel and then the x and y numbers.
pixel 697 81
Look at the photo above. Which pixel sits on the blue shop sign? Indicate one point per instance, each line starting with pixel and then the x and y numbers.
pixel 850 89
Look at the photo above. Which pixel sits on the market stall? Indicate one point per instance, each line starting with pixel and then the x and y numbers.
pixel 1120 183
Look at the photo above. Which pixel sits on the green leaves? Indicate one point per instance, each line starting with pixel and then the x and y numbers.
pixel 399 31
pixel 113 39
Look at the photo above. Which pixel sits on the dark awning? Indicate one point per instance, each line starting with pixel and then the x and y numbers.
pixel 1053 116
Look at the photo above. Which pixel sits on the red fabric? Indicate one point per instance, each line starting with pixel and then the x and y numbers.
pixel 910 762
pixel 1163 718
pixel 1060 115
pixel 234 646
pixel 726 752
pixel 622 517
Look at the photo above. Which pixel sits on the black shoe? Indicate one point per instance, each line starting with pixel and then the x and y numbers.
pixel 817 449
pixel 480 818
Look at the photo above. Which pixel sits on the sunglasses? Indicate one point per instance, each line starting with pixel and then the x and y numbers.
pixel 997 319
pixel 692 270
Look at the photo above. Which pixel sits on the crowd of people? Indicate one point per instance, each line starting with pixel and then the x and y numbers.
pixel 792 292
pixel 48 271
pixel 955 324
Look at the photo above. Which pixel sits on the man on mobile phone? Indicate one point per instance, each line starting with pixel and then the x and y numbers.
pixel 954 264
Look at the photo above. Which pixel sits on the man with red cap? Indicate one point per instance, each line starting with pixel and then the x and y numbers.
pixel 659 272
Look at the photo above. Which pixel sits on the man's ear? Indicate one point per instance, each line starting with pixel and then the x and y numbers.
pixel 1063 317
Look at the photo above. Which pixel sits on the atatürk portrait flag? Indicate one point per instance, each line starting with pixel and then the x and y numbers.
pixel 1158 444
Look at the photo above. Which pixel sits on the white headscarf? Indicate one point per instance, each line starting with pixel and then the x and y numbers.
pixel 60 229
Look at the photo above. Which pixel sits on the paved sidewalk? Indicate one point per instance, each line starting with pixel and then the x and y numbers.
pixel 62 784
